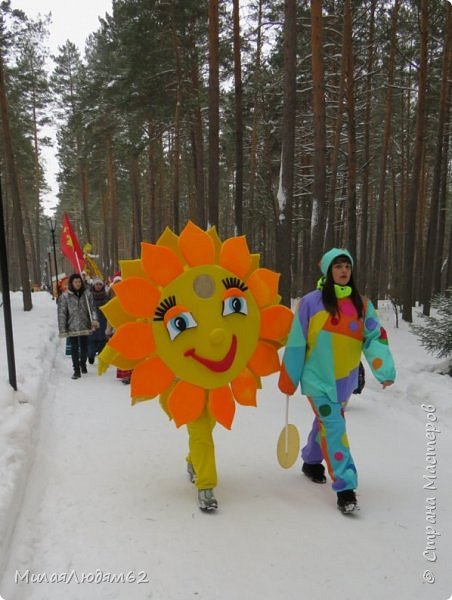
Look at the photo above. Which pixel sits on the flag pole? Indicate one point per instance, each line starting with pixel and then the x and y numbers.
pixel 86 297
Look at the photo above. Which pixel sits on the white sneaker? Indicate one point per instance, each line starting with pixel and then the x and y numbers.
pixel 207 500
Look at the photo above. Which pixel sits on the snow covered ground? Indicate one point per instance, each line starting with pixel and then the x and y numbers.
pixel 93 491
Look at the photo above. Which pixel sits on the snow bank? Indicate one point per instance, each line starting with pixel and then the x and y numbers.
pixel 34 349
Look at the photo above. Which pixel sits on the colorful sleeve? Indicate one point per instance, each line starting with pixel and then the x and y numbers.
pixel 376 349
pixel 294 353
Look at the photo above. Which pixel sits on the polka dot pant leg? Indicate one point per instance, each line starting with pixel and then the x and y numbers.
pixel 312 452
pixel 334 443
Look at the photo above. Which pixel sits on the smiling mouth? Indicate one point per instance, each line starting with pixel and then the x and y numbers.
pixel 218 366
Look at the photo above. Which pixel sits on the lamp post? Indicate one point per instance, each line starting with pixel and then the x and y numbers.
pixel 52 226
pixel 7 301
pixel 49 271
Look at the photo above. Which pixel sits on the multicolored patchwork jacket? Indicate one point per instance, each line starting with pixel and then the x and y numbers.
pixel 323 352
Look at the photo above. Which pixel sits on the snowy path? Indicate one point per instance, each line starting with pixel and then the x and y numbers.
pixel 108 494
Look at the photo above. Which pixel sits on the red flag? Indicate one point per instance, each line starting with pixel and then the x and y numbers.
pixel 70 246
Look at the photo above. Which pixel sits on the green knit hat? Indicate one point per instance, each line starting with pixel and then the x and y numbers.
pixel 331 255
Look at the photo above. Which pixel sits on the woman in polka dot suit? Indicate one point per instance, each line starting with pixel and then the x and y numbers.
pixel 332 326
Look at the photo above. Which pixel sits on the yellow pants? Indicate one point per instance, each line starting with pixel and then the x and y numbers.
pixel 202 450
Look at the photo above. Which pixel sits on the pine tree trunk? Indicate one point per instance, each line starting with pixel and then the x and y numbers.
pixel 113 203
pixel 421 216
pixel 377 263
pixel 331 234
pixel 433 251
pixel 413 197
pixel 83 179
pixel 177 118
pixel 405 119
pixel 152 212
pixel 17 202
pixel 162 217
pixel 319 160
pixel 106 262
pixel 197 141
pixel 350 220
pixel 214 115
pixel 443 216
pixel 363 267
pixel 137 234
pixel 285 192
pixel 28 232
pixel 238 204
pixel 37 191
pixel 255 122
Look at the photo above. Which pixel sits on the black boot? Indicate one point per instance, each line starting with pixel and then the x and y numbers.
pixel 76 374
pixel 315 472
pixel 83 368
pixel 347 502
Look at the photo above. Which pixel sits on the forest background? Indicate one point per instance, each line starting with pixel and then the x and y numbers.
pixel 302 125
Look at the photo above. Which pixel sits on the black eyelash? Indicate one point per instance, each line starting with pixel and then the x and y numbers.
pixel 163 307
pixel 234 282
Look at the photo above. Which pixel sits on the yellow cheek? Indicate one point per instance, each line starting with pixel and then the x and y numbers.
pixel 217 350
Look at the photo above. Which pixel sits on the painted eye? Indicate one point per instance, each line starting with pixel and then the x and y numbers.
pixel 179 324
pixel 235 304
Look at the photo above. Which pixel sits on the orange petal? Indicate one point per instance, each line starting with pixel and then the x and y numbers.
pixel 244 388
pixel 133 340
pixel 186 402
pixel 265 359
pixel 137 296
pixel 160 264
pixel 222 405
pixel 263 284
pixel 235 256
pixel 196 246
pixel 150 378
pixel 275 322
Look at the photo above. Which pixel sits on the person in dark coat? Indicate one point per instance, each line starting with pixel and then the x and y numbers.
pixel 77 319
pixel 97 340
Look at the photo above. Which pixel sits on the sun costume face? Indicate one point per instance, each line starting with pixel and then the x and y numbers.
pixel 198 322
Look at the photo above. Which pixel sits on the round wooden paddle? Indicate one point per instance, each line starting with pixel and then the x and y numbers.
pixel 288 442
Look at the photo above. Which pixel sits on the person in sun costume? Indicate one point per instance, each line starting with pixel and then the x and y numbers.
pixel 200 323
pixel 332 326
